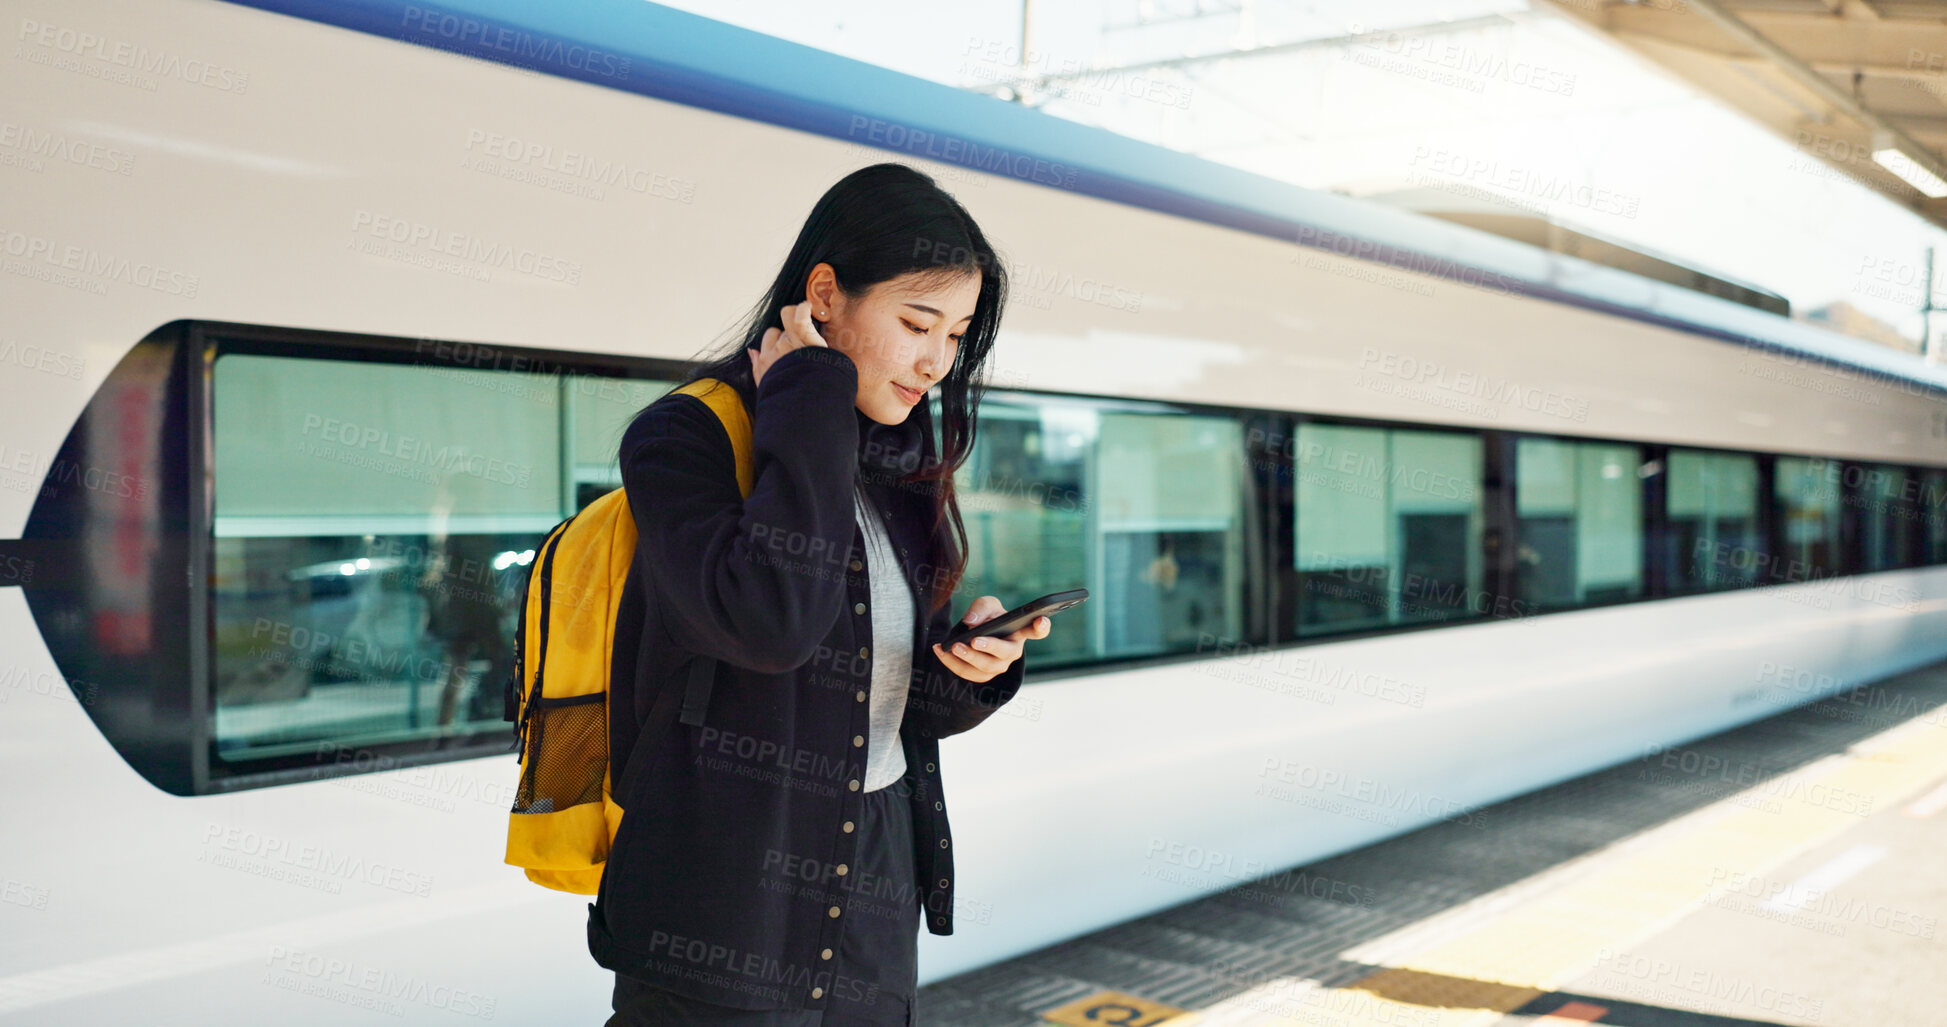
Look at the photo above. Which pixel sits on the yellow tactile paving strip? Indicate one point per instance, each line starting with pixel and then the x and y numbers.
pixel 1537 944
pixel 1113 1007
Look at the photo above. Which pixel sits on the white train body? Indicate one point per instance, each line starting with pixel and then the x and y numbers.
pixel 213 162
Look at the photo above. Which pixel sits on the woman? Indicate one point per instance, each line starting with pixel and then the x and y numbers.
pixel 779 858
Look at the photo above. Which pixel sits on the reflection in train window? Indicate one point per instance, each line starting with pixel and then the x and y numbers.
pixel 1388 527
pixel 1886 519
pixel 1809 504
pixel 1578 507
pixel 1144 509
pixel 1933 515
pixel 374 522
pixel 1712 512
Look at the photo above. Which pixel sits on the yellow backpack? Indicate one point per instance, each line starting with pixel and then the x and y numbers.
pixel 565 816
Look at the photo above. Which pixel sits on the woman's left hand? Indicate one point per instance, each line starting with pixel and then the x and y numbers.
pixel 982 658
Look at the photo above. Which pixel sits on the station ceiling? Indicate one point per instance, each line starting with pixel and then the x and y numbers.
pixel 1857 85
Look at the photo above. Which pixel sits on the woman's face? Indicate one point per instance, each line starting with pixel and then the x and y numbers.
pixel 902 332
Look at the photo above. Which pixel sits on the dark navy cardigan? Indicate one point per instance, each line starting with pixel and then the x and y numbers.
pixel 724 883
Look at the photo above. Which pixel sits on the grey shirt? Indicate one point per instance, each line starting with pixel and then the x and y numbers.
pixel 892 643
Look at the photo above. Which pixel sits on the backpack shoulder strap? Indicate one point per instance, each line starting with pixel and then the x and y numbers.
pixel 728 405
pixel 723 400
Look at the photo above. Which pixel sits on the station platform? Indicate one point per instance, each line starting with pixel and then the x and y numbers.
pixel 1785 872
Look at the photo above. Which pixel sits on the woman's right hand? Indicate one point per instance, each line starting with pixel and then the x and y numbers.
pixel 799 330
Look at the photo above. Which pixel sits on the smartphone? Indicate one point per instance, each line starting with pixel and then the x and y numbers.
pixel 1017 618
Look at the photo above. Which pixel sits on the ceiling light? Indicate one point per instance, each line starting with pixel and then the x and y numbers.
pixel 1912 172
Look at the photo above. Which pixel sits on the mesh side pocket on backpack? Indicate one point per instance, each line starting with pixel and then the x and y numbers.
pixel 567 754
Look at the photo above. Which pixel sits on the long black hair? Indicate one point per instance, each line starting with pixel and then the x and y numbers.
pixel 874 225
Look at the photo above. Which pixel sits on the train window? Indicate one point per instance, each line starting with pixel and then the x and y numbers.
pixel 1809 505
pixel 1387 527
pixel 1579 526
pixel 1885 517
pixel 1146 508
pixel 373 524
pixel 1712 513
pixel 1933 515
pixel 598 412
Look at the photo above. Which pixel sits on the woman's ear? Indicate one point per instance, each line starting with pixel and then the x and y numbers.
pixel 819 290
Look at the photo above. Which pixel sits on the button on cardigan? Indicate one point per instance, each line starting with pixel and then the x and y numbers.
pixel 729 877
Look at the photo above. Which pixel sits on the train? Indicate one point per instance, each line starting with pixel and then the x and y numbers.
pixel 317 314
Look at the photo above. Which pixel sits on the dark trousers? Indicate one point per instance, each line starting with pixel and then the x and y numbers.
pixel 877 962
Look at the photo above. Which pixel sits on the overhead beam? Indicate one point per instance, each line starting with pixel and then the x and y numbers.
pixel 1812 37
pixel 1277 49
pixel 1838 98
pixel 1784 84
